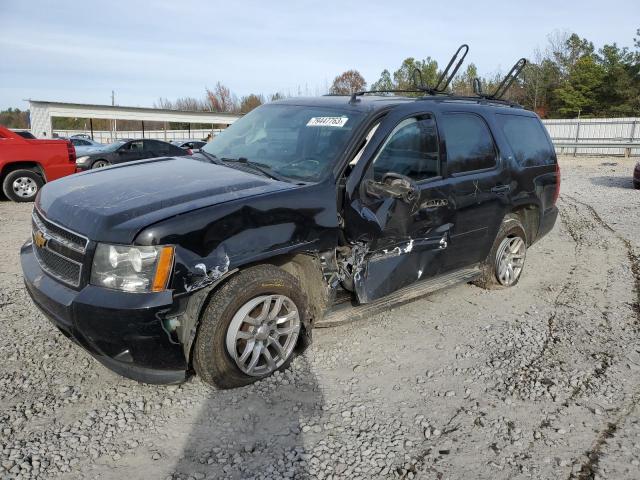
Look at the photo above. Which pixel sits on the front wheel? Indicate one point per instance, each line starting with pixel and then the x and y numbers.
pixel 503 267
pixel 22 185
pixel 250 327
pixel 100 164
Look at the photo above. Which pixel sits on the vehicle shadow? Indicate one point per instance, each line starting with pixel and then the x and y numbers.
pixel 254 431
pixel 613 181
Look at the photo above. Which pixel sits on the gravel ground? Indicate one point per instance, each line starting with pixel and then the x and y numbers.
pixel 539 381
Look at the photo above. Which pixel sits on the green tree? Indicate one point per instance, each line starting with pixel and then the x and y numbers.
pixel 462 84
pixel 14 118
pixel 579 92
pixel 384 82
pixel 616 94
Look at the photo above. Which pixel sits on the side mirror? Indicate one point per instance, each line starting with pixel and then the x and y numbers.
pixel 393 185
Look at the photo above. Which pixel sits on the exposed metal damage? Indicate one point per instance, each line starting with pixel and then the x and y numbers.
pixel 203 277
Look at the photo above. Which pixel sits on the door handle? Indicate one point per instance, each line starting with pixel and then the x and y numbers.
pixel 499 189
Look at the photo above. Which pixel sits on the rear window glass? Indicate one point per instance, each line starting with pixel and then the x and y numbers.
pixel 527 140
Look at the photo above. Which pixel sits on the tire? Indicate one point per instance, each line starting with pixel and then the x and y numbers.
pixel 100 164
pixel 22 185
pixel 212 359
pixel 636 185
pixel 506 239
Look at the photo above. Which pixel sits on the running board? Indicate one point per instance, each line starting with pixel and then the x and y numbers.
pixel 346 313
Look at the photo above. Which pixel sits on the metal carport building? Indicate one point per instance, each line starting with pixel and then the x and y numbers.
pixel 42 111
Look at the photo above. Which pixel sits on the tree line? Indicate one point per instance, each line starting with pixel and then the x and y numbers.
pixel 569 77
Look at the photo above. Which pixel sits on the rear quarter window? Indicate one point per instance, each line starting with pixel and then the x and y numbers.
pixel 527 139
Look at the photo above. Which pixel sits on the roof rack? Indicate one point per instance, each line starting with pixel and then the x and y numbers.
pixel 445 77
pixel 504 86
pixel 441 85
pixel 439 91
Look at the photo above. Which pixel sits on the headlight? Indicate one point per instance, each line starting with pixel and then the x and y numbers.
pixel 82 159
pixel 132 269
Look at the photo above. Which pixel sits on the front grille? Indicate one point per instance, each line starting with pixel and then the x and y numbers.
pixel 60 252
pixel 59 267
pixel 73 240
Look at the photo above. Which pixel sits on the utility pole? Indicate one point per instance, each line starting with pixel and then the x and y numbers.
pixel 114 122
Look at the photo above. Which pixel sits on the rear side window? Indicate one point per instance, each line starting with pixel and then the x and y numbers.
pixel 162 148
pixel 527 139
pixel 469 143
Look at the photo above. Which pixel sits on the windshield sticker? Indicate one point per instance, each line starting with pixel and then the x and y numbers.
pixel 327 122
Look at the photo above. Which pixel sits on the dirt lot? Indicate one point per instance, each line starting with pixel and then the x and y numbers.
pixel 540 381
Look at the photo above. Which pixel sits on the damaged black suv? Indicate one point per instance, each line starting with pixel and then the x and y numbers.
pixel 303 212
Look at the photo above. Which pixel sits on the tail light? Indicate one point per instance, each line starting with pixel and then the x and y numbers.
pixel 556 194
pixel 189 151
pixel 71 151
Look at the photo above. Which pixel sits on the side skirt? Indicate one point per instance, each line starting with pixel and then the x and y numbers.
pixel 346 313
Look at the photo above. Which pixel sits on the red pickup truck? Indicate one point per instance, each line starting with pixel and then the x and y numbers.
pixel 26 164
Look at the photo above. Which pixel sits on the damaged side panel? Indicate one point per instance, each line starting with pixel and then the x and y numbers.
pixel 396 242
pixel 213 243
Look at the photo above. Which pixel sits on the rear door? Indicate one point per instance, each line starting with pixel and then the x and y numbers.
pixel 480 186
pixel 398 207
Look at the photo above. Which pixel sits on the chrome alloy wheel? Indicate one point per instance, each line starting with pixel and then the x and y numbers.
pixel 510 260
pixel 263 333
pixel 24 187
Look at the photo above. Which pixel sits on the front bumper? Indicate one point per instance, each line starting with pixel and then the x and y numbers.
pixel 123 331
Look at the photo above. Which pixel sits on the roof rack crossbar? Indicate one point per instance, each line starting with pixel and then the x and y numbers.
pixel 355 95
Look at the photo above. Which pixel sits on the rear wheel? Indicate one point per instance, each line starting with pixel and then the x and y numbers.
pixel 250 327
pixel 22 185
pixel 503 267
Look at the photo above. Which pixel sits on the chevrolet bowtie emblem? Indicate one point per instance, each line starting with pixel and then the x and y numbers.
pixel 39 239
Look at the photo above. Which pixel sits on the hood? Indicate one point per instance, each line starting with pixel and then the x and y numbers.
pixel 113 204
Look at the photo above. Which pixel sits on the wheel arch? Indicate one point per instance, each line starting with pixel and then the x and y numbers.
pixel 23 164
pixel 305 266
pixel 529 215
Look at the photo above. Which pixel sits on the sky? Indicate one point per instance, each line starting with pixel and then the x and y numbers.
pixel 79 51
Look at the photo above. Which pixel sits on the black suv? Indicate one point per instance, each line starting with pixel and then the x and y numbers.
pixel 303 212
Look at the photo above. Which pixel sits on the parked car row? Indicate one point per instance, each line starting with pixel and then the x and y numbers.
pixel 27 163
pixel 127 151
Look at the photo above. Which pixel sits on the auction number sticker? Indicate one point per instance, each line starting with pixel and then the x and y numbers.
pixel 327 122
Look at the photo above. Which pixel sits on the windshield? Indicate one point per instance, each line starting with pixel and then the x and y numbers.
pixel 293 141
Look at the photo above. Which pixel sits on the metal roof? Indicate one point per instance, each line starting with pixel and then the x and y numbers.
pixel 118 112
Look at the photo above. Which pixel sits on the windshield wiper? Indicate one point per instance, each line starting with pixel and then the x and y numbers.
pixel 211 157
pixel 260 167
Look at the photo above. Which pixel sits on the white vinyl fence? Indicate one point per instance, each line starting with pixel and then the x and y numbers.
pixel 568 134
